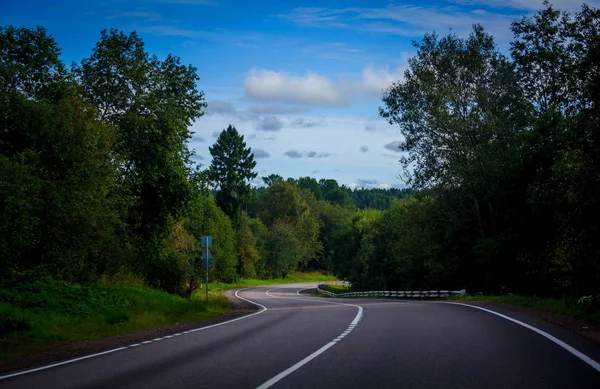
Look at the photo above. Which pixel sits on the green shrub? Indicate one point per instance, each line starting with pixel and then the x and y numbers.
pixel 12 319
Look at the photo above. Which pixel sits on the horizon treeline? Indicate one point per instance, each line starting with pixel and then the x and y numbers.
pixel 501 155
pixel 96 177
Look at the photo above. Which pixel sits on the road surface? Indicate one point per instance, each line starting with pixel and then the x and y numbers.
pixel 297 341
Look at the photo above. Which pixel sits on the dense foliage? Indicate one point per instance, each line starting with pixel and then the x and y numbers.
pixel 501 154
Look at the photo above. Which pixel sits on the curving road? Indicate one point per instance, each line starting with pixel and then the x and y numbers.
pixel 295 341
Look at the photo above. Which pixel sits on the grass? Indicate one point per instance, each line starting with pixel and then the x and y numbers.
pixel 336 288
pixel 220 287
pixel 41 314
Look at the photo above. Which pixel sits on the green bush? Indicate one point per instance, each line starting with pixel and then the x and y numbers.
pixel 12 319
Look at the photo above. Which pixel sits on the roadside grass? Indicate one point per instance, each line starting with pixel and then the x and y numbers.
pixel 216 288
pixel 336 288
pixel 41 314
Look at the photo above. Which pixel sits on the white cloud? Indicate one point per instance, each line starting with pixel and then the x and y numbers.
pixel 378 80
pixel 414 20
pixel 317 89
pixel 312 88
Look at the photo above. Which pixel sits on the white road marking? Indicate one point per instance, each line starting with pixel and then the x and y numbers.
pixel 62 363
pixel 320 351
pixel 263 309
pixel 588 360
pixel 300 290
pixel 297 366
pixel 595 365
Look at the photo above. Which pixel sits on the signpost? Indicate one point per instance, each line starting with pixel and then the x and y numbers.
pixel 206 257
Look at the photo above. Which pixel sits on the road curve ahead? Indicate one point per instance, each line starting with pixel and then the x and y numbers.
pixel 295 341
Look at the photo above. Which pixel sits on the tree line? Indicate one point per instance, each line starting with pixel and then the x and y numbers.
pixel 96 176
pixel 503 152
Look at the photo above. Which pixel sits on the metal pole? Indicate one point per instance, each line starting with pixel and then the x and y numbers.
pixel 207 270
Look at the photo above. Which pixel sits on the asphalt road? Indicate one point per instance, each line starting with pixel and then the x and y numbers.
pixel 306 342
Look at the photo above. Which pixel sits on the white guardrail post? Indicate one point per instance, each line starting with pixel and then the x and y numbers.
pixel 393 293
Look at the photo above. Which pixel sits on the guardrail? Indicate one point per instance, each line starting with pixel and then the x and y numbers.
pixel 397 294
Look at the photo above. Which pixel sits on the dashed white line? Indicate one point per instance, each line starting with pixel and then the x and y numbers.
pixel 320 351
pixel 263 309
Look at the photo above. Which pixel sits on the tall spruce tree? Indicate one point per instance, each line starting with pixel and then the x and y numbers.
pixel 231 170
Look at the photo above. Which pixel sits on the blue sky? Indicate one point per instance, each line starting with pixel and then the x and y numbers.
pixel 301 80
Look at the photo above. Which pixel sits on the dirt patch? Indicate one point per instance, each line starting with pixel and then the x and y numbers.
pixel 86 347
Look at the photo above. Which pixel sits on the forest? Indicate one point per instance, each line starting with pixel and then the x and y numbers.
pixel 501 157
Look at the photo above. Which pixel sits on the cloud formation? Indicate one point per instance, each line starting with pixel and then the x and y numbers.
pixel 259 153
pixel 304 123
pixel 393 146
pixel 316 89
pixel 219 108
pixel 308 154
pixel 270 123
pixel 414 20
pixel 293 154
pixel 312 88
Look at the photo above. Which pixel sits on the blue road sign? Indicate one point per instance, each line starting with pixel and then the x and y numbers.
pixel 206 241
pixel 206 266
pixel 206 254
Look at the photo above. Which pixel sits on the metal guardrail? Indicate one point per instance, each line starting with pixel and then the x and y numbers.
pixel 402 294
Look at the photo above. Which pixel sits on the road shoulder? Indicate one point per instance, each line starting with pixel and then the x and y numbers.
pixel 77 349
pixel 579 334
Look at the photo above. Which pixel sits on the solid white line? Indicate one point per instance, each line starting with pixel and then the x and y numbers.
pixel 62 363
pixel 263 309
pixel 320 351
pixel 297 366
pixel 300 290
pixel 595 365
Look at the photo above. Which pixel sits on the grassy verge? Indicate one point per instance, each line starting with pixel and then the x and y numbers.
pixel 219 287
pixel 552 305
pixel 38 315
pixel 336 288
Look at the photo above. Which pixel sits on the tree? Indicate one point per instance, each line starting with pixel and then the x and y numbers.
pixel 205 218
pixel 231 169
pixel 272 179
pixel 283 201
pixel 461 112
pixel 152 104
pixel 57 173
pixel 247 249
pixel 284 249
pixel 312 185
pixel 556 57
